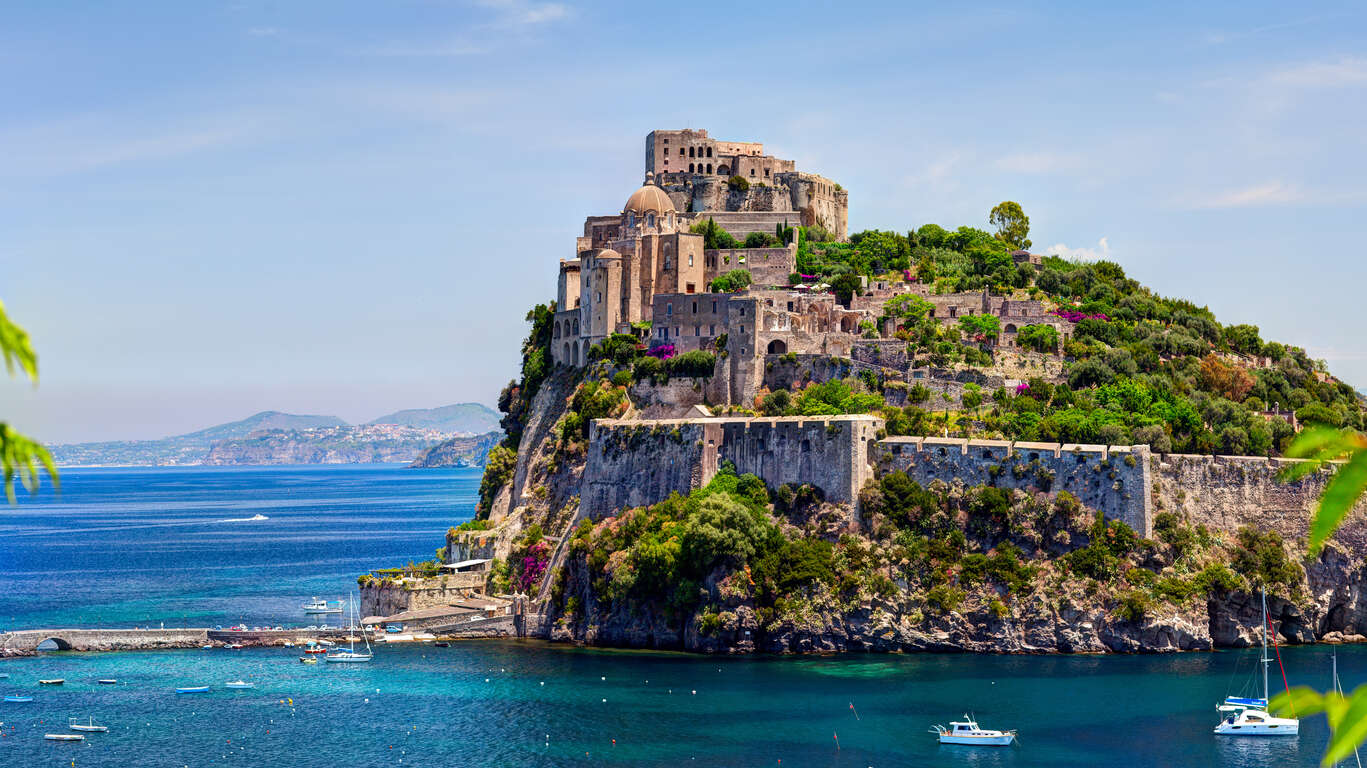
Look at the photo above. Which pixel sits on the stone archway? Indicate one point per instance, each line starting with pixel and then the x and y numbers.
pixel 778 347
pixel 53 644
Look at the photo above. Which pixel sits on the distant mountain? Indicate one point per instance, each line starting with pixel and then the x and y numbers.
pixel 459 452
pixel 364 444
pixel 467 418
pixel 272 437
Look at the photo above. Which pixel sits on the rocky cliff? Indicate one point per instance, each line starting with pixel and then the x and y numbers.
pixel 459 451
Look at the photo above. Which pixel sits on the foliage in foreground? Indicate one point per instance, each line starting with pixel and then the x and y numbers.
pixel 21 457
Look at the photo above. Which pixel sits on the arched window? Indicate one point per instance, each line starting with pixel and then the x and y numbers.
pixel 576 327
pixel 631 219
pixel 690 167
pixel 690 152
pixel 565 354
pixel 723 170
pixel 557 330
pixel 650 220
pixel 777 347
pixel 709 151
pixel 680 151
pixel 752 171
pixel 709 167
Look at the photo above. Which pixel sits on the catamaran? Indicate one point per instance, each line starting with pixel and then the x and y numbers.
pixel 1248 716
pixel 350 656
pixel 317 606
pixel 968 733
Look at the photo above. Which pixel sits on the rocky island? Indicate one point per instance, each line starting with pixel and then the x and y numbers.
pixel 738 429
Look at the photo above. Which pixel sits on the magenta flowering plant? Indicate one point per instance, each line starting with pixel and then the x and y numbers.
pixel 1022 387
pixel 533 565
pixel 1074 316
pixel 663 351
pixel 807 278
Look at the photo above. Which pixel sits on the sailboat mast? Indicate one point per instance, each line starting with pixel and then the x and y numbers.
pixel 1266 660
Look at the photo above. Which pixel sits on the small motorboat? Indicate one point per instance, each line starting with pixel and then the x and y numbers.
pixel 308 660
pixel 207 647
pixel 194 689
pixel 239 684
pixel 234 646
pixel 968 733
pixel 63 737
pixel 107 681
pixel 18 699
pixel 316 606
pixel 88 726
pixel 52 681
pixel 4 675
pixel 442 644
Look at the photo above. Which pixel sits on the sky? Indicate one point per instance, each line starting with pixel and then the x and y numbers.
pixel 213 209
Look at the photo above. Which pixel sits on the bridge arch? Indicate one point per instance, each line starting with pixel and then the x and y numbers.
pixel 53 643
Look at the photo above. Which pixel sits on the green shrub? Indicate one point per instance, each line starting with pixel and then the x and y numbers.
pixel 498 471
pixel 622 378
pixel 647 367
pixel 474 525
pixel 739 183
pixel 733 281
pixel 1260 556
pixel 1216 578
pixel 693 364
pixel 1133 605
pixel 619 348
pixel 944 598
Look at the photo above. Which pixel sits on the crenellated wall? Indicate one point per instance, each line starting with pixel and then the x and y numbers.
pixel 1112 479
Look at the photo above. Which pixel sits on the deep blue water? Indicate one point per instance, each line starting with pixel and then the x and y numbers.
pixel 122 545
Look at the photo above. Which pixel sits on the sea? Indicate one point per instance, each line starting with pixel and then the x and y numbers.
pixel 185 546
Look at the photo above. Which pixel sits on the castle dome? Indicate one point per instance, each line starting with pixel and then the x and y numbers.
pixel 607 253
pixel 649 198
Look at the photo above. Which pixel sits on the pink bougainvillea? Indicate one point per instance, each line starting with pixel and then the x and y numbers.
pixel 1022 387
pixel 533 566
pixel 1074 316
pixel 663 351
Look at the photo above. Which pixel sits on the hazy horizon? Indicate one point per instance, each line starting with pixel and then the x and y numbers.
pixel 346 209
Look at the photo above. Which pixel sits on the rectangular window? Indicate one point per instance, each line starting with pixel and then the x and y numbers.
pixel 697 330
pixel 677 332
pixel 690 259
pixel 714 307
pixel 669 310
pixel 690 289
pixel 711 330
pixel 695 307
pixel 742 311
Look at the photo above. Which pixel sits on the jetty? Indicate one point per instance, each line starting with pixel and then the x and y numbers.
pixel 25 642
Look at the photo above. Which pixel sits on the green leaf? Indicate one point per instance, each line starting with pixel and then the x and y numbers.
pixel 1299 702
pixel 1350 730
pixel 21 456
pixel 15 347
pixel 1344 490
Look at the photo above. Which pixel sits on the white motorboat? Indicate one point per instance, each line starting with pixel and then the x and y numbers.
pixel 1249 716
pixel 317 606
pixel 968 733
pixel 88 726
pixel 239 684
pixel 63 737
pixel 350 655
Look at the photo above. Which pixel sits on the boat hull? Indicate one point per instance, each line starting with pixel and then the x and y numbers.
pixel 91 728
pixel 63 737
pixel 1002 740
pixel 18 699
pixel 200 689
pixel 346 659
pixel 1260 729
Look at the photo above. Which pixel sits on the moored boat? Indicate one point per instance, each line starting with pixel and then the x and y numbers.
pixel 18 699
pixel 107 681
pixel 194 689
pixel 442 644
pixel 52 681
pixel 88 726
pixel 1249 716
pixel 317 606
pixel 350 655
pixel 966 732
pixel 63 737
pixel 308 660
pixel 239 684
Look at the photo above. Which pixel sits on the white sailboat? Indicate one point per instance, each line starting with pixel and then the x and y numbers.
pixel 350 656
pixel 1249 717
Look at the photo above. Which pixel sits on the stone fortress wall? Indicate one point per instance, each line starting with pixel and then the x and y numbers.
pixel 633 463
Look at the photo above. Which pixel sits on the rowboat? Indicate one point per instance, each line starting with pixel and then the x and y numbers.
pixel 442 644
pixel 239 684
pixel 308 660
pixel 108 681
pixel 18 699
pixel 194 689
pixel 63 737
pixel 53 681
pixel 86 726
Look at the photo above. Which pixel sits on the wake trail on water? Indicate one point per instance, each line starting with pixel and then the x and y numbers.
pixel 136 526
pixel 251 519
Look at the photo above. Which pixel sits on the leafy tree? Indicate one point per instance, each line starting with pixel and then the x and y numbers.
pixel 1223 379
pixel 20 456
pixel 1013 226
pixel 733 281
pixel 1041 338
pixel 760 240
pixel 984 328
pixel 739 183
pixel 620 348
pixel 908 306
pixel 713 236
pixel 836 397
pixel 845 287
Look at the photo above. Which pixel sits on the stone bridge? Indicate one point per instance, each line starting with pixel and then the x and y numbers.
pixel 28 640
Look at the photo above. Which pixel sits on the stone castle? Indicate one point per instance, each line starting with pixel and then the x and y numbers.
pixel 642 272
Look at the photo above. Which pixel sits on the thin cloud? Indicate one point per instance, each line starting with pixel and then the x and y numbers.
pixel 510 17
pixel 1344 71
pixel 1270 193
pixel 1101 251
pixel 264 32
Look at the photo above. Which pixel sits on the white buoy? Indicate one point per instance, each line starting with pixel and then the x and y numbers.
pixel 602 678
pixel 695 693
pixel 543 682
pixel 605 701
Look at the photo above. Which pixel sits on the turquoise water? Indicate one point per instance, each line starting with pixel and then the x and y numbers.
pixel 142 545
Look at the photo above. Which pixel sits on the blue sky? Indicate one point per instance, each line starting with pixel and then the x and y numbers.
pixel 208 210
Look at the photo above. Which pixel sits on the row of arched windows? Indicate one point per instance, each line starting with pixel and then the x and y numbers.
pixel 700 168
pixel 699 152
